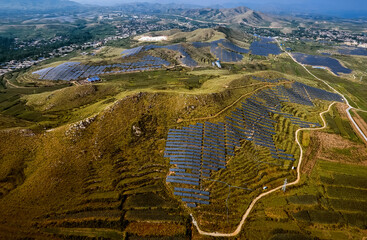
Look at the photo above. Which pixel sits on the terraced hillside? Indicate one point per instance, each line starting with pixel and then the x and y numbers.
pixel 200 153
pixel 152 57
pixel 143 152
pixel 108 172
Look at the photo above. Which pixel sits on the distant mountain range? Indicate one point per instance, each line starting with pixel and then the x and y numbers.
pixel 229 15
pixel 37 5
pixel 238 15
pixel 219 9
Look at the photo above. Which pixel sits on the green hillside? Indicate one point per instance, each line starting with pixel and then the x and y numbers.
pixel 83 160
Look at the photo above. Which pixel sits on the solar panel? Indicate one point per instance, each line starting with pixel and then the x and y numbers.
pixel 181 181
pixel 176 170
pixel 191 195
pixel 191 190
pixel 187 174
pixel 184 178
pixel 188 162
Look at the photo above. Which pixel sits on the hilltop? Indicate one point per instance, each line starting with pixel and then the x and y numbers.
pixel 238 15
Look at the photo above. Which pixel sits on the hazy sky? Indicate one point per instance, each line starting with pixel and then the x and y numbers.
pixel 331 7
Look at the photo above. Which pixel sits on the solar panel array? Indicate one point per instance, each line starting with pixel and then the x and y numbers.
pixel 201 44
pixel 234 47
pixel 224 55
pixel 222 49
pixel 225 43
pixel 186 58
pixel 273 99
pixel 353 51
pixel 264 47
pixel 329 62
pixel 316 93
pixel 131 52
pixel 199 150
pixel 75 70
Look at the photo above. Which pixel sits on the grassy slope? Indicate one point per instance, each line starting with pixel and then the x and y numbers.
pixel 328 204
pixel 204 35
pixel 323 206
pixel 76 167
pixel 354 91
pixel 101 175
pixel 68 174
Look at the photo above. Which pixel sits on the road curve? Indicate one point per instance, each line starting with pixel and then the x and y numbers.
pixel 239 227
pixel 327 84
pixel 245 215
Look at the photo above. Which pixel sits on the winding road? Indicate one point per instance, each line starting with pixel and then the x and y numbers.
pixel 239 227
pixel 336 91
pixel 246 214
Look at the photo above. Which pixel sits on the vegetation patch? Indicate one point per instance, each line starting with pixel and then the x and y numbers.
pixel 346 193
pixel 145 229
pixel 303 199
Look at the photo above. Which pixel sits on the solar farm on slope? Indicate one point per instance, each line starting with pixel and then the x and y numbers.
pixel 264 47
pixel 198 151
pixel 223 50
pixel 329 62
pixel 353 51
pixel 74 70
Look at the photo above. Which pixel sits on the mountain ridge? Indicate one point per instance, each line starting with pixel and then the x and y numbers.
pixel 238 15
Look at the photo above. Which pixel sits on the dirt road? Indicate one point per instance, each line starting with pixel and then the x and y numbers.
pixel 239 227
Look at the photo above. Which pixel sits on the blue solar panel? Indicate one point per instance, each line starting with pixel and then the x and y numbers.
pixel 264 47
pixel 187 174
pixel 209 167
pixel 182 155
pixel 187 162
pixel 187 166
pixel 186 153
pixel 185 159
pixel 191 195
pixel 184 178
pixel 185 149
pixel 191 190
pixel 181 181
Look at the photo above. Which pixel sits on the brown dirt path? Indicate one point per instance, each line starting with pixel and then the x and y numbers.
pixel 360 122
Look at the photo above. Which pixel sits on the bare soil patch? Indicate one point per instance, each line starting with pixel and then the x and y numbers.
pixel 360 122
pixel 332 147
pixel 310 154
pixel 335 148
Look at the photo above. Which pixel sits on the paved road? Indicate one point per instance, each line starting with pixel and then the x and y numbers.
pixel 344 98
